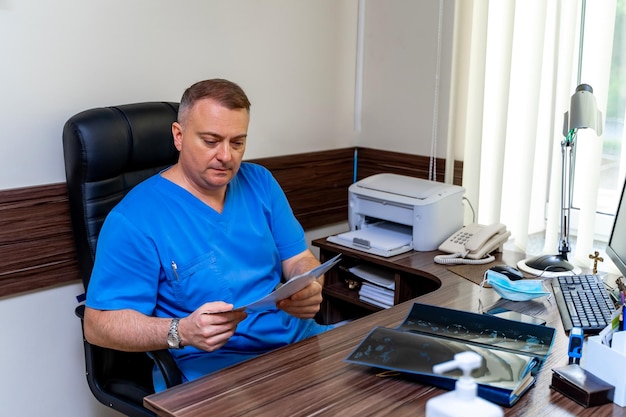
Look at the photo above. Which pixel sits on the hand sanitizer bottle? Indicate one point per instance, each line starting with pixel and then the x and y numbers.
pixel 462 402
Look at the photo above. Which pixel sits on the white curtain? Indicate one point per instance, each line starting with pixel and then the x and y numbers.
pixel 515 68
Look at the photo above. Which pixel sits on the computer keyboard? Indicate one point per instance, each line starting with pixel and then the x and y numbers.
pixel 583 302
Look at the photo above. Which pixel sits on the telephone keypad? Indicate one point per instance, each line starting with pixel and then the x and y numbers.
pixel 461 238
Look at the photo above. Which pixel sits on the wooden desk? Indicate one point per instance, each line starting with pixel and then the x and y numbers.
pixel 310 378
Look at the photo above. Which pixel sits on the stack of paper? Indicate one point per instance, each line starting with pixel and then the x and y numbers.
pixel 378 285
pixel 382 239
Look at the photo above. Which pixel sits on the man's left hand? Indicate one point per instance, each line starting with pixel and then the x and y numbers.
pixel 305 303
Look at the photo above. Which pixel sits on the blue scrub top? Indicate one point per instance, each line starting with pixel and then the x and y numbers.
pixel 164 253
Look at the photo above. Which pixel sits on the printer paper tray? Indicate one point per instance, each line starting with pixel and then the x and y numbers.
pixel 382 239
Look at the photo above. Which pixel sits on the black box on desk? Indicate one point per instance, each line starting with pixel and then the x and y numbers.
pixel 581 386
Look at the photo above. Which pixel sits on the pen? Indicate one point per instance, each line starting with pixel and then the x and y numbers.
pixel 621 315
pixel 175 269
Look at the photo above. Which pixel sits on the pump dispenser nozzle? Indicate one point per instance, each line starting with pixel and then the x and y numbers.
pixel 455 403
pixel 466 362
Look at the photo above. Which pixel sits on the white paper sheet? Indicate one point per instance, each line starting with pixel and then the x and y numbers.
pixel 382 239
pixel 290 287
pixel 378 276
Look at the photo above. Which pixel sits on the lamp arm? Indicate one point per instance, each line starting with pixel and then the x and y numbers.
pixel 567 148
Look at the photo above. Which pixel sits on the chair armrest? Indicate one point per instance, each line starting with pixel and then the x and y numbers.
pixel 167 365
pixel 80 312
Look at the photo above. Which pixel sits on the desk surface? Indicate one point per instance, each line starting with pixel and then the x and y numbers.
pixel 310 378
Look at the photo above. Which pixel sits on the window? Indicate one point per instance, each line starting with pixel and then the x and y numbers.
pixel 514 87
pixel 613 163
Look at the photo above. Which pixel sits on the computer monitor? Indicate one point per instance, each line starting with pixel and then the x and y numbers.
pixel 616 249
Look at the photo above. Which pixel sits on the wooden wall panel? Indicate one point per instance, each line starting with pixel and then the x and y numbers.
pixel 37 246
pixel 316 184
pixel 458 173
pixel 375 161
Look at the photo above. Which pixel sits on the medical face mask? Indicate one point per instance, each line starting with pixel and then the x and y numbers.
pixel 520 290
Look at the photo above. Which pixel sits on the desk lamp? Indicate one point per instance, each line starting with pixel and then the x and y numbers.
pixel 583 113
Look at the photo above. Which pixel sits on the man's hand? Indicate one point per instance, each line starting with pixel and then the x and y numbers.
pixel 210 326
pixel 207 328
pixel 305 303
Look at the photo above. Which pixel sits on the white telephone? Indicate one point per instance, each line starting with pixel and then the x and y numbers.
pixel 473 244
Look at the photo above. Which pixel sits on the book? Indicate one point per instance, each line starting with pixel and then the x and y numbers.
pixel 376 295
pixel 513 352
pixel 378 286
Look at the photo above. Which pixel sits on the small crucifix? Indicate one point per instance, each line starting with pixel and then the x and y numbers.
pixel 596 258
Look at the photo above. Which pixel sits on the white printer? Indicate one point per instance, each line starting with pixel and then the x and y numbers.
pixel 391 214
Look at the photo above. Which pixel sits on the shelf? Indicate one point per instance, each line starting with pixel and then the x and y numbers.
pixel 341 292
pixel 342 303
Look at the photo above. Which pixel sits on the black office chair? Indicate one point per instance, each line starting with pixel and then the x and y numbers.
pixel 107 152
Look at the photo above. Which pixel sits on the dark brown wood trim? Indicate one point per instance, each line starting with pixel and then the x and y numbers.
pixel 37 245
pixel 316 184
pixel 458 173
pixel 376 161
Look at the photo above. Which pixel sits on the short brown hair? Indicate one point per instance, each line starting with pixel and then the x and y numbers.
pixel 225 92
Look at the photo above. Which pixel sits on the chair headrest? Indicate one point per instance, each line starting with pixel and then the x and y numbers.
pixel 107 151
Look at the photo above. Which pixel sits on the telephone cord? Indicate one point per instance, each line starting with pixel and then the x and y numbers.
pixel 459 258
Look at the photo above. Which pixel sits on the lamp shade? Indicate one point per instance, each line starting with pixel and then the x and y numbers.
pixel 584 112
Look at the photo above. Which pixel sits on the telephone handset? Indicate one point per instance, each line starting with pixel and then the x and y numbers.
pixel 473 244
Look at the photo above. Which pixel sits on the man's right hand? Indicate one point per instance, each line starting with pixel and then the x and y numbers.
pixel 210 326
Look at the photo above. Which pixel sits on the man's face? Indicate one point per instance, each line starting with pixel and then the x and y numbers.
pixel 211 141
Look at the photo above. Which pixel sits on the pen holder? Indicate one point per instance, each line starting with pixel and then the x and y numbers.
pixel 608 365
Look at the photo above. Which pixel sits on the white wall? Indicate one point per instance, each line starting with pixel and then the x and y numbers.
pixel 42 367
pixel 295 59
pixel 401 72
